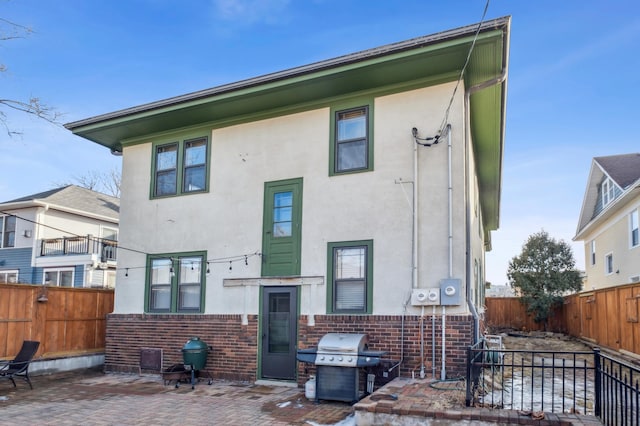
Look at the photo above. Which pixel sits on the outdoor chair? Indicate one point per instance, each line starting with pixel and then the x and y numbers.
pixel 19 366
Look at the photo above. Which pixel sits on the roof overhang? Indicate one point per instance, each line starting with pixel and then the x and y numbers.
pixel 23 205
pixel 418 62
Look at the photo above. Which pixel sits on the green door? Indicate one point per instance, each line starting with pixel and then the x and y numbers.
pixel 281 231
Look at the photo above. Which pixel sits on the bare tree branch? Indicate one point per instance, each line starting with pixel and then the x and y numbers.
pixel 34 106
pixel 105 182
pixel 14 31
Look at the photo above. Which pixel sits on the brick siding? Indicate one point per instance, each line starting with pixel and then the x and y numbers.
pixel 235 346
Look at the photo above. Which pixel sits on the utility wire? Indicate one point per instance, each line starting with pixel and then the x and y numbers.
pixel 473 43
pixel 236 258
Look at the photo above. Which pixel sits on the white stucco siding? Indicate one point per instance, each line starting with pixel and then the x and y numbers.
pixel 613 237
pixel 227 221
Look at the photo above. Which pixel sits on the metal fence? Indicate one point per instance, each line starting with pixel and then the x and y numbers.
pixel 619 395
pixel 551 381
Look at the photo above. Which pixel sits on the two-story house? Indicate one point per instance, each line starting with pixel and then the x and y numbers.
pixel 609 222
pixel 63 237
pixel 353 195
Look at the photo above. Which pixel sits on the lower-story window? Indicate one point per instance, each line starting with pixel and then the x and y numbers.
pixel 350 277
pixel 60 277
pixel 8 277
pixel 175 282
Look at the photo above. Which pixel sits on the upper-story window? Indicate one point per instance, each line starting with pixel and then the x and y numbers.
pixel 593 252
pixel 608 192
pixel 7 231
pixel 180 167
pixel 633 221
pixel 352 144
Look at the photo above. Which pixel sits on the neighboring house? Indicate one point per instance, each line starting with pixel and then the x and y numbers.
pixel 500 291
pixel 63 237
pixel 609 222
pixel 268 212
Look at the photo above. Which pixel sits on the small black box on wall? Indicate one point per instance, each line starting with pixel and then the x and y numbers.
pixel 385 372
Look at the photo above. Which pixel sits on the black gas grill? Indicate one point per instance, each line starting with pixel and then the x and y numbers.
pixel 339 358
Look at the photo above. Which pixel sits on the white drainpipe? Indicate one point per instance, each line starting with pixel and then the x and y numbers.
pixel 443 371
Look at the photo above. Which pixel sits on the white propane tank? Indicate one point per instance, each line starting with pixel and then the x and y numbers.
pixel 310 388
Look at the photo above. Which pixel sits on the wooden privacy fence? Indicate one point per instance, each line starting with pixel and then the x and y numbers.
pixel 66 321
pixel 608 317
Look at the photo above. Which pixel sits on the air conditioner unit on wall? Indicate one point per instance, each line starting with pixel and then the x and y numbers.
pixel 425 297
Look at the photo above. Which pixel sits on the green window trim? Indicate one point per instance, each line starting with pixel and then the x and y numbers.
pixel 332 249
pixel 180 166
pixel 172 286
pixel 338 111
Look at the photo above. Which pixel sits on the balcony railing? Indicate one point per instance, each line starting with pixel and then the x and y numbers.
pixel 107 249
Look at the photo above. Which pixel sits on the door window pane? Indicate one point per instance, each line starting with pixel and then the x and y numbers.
pixel 282 214
pixel 279 323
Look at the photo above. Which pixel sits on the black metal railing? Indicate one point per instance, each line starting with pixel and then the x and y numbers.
pixel 554 381
pixel 107 249
pixel 548 381
pixel 619 392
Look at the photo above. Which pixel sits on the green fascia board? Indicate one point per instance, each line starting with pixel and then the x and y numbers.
pixel 420 62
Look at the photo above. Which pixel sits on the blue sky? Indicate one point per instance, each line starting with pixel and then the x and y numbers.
pixel 573 81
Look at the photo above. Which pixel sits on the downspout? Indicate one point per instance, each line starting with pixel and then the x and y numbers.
pixel 443 371
pixel 415 216
pixel 415 250
pixel 467 95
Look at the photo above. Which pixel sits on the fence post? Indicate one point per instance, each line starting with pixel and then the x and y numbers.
pixel 597 381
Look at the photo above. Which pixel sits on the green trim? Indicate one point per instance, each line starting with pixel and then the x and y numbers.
pixel 260 332
pixel 326 102
pixel 261 324
pixel 180 139
pixel 175 257
pixel 369 278
pixel 296 187
pixel 352 103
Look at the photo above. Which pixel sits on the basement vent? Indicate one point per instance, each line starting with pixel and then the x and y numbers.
pixel 635 279
pixel 150 359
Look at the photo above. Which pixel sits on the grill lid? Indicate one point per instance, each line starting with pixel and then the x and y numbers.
pixel 343 343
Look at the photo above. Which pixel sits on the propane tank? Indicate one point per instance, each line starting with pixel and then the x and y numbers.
pixel 310 388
